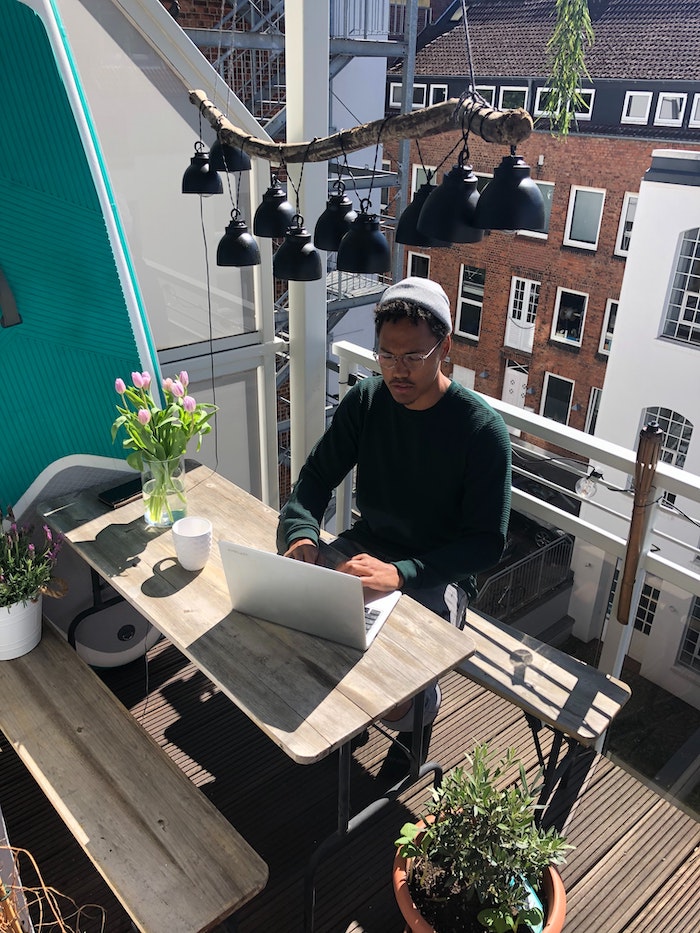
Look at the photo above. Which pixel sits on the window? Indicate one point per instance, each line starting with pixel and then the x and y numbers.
pixel 670 109
pixel 593 408
pixel 482 179
pixel 556 398
pixel 606 334
pixel 419 265
pixel 689 655
pixel 385 193
pixel 438 93
pixel 636 107
pixel 511 97
pixel 682 319
pixel 420 176
pixel 583 102
pixel 584 217
pixel 470 301
pixel 522 311
pixel 419 95
pixel 646 610
pixel 676 440
pixel 624 231
pixel 694 119
pixel 488 92
pixel 547 192
pixel 569 316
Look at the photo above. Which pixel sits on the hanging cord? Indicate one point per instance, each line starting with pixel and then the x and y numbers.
pixel 368 199
pixel 472 81
pixel 429 173
pixel 297 188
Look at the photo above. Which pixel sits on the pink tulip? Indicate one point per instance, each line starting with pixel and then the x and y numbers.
pixel 146 377
pixel 184 378
pixel 119 386
pixel 137 379
pixel 168 385
pixel 188 403
pixel 178 389
pixel 144 415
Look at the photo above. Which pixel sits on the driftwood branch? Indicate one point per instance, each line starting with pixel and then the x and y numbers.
pixel 502 127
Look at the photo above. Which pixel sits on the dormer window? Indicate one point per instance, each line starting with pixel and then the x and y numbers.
pixel 636 107
pixel 670 109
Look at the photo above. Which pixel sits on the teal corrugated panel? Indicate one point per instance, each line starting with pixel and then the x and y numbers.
pixel 58 367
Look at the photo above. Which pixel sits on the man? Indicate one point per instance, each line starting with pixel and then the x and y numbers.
pixel 433 475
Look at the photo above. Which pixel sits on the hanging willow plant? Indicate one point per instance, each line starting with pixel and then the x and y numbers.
pixel 566 51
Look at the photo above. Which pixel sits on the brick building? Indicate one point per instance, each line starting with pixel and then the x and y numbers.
pixel 535 312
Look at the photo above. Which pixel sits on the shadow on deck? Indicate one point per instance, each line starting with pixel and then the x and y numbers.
pixel 636 866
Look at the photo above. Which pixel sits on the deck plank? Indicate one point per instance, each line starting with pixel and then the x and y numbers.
pixel 617 823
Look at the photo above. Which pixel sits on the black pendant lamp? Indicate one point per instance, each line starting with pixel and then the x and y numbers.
pixel 407 228
pixel 449 212
pixel 275 214
pixel 237 247
pixel 364 248
pixel 297 259
pixel 511 200
pixel 335 221
pixel 199 177
pixel 226 158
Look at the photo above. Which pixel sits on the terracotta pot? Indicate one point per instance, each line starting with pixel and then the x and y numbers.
pixel 552 889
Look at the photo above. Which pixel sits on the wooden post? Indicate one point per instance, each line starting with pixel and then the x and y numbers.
pixel 647 458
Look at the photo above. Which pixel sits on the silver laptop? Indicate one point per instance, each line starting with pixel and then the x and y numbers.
pixel 305 597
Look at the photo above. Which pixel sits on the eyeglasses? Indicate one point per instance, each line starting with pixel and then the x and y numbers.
pixel 409 360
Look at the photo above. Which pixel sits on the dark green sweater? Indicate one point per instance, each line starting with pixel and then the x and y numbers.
pixel 433 486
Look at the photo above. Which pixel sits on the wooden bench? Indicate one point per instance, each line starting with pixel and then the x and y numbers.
pixel 171 858
pixel 576 701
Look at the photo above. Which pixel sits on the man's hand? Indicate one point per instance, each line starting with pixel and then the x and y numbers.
pixel 373 573
pixel 303 549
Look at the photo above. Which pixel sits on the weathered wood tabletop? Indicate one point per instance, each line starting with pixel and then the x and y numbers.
pixel 309 695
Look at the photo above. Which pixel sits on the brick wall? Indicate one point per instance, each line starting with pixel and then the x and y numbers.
pixel 617 165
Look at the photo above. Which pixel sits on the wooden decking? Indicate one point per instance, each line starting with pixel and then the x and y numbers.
pixel 636 866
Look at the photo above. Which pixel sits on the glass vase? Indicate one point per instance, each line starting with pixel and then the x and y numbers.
pixel 163 484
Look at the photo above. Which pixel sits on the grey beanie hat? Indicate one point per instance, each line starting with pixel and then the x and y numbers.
pixel 422 292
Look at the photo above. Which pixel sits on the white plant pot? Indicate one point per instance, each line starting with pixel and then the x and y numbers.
pixel 20 628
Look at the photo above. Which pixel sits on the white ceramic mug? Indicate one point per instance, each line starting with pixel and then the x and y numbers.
pixel 192 537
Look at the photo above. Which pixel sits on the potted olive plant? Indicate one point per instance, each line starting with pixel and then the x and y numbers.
pixel 478 860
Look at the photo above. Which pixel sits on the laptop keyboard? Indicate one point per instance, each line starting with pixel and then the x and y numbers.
pixel 371 616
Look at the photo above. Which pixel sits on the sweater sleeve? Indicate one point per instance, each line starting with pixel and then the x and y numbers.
pixel 329 462
pixel 486 495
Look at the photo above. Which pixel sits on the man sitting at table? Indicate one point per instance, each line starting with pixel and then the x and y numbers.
pixel 433 478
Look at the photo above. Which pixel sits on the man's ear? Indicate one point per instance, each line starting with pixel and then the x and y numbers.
pixel 446 346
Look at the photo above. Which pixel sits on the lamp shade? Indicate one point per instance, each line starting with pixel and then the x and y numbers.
pixel 511 200
pixel 335 221
pixel 364 248
pixel 237 247
pixel 407 231
pixel 449 212
pixel 297 259
pixel 275 214
pixel 198 177
pixel 225 158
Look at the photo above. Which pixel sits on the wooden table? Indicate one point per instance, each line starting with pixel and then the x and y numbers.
pixel 308 695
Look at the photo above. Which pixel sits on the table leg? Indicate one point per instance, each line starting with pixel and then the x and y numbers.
pixel 347 825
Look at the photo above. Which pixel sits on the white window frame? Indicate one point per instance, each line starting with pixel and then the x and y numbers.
pixel 433 89
pixel 541 234
pixel 670 95
pixel 462 300
pixel 488 92
pixel 555 320
pixel 681 323
pixel 694 118
pixel 395 89
pixel 606 335
pixel 503 90
pixel 581 244
pixel 415 255
pixel 593 409
pixel 421 170
pixel 539 110
pixel 627 208
pixel 642 121
pixel 545 393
